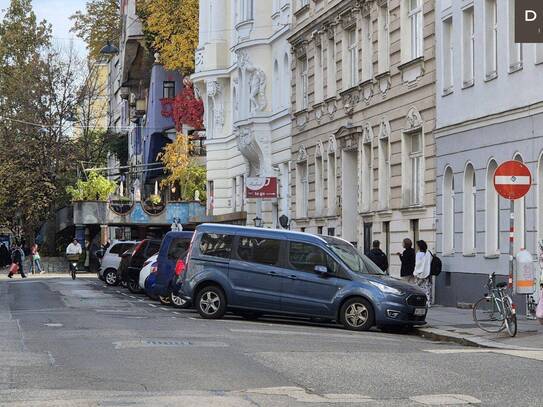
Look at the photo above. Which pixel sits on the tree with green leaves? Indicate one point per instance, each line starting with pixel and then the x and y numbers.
pixel 98 24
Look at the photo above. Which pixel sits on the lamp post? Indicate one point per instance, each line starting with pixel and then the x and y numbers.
pixel 258 222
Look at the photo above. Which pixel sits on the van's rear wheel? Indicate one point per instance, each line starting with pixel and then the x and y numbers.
pixel 110 277
pixel 211 302
pixel 357 314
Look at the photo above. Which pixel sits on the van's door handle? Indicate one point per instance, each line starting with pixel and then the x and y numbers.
pixel 272 273
pixel 293 277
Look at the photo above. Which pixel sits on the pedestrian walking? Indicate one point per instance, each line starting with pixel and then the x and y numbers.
pixel 5 257
pixel 407 258
pixel 378 256
pixel 36 259
pixel 423 264
pixel 17 260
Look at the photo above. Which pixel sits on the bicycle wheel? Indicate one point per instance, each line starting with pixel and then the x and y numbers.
pixel 510 317
pixel 73 273
pixel 488 316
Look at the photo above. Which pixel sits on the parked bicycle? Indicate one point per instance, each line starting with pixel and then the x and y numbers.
pixel 495 311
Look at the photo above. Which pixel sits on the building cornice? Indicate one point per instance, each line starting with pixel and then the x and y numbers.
pixel 489 120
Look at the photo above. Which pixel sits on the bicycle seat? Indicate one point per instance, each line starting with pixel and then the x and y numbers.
pixel 503 284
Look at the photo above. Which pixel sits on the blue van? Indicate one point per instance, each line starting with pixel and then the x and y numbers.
pixel 252 271
pixel 170 263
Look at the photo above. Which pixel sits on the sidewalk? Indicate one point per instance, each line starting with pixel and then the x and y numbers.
pixel 457 325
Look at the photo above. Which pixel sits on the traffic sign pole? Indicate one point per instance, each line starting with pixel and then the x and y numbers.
pixel 511 241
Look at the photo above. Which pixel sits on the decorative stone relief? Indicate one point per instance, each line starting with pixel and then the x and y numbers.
pixel 349 102
pixel 255 79
pixel 255 149
pixel 199 59
pixel 332 144
pixel 384 84
pixel 319 150
pixel 414 119
pixel 302 153
pixel 214 91
pixel 319 113
pixel 367 133
pixel 301 120
pixel 367 93
pixel 331 108
pixel 384 129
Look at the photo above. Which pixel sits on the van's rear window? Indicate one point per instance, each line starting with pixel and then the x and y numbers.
pixel 216 245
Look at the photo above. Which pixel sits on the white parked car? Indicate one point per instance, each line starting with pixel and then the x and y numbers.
pixel 149 267
pixel 111 260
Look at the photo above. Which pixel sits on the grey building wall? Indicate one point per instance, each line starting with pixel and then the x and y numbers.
pixel 501 137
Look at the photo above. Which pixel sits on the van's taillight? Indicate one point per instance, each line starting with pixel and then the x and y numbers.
pixel 138 247
pixel 179 267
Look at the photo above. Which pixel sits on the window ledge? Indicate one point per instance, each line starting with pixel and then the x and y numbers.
pixel 330 99
pixel 382 75
pixel 319 104
pixel 468 84
pixel 468 254
pixel 300 112
pixel 447 92
pixel 349 90
pixel 515 67
pixel 492 256
pixel 491 76
pixel 448 254
pixel 301 10
pixel 365 83
pixel 410 63
pixel 413 209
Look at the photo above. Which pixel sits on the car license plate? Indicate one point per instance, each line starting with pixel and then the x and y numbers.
pixel 420 312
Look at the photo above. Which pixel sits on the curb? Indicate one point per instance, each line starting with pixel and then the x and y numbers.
pixel 440 335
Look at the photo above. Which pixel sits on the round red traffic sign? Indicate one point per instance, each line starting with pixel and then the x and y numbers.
pixel 512 180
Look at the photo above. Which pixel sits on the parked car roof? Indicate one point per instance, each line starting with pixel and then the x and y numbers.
pixel 260 232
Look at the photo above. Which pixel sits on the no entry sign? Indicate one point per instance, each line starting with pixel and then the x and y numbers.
pixel 512 180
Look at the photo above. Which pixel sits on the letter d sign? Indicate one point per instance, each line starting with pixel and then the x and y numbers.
pixel 528 21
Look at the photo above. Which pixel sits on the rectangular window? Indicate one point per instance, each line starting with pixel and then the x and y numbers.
pixel 258 250
pixel 383 38
pixel 384 173
pixel 331 85
pixel 216 245
pixel 303 96
pixel 246 11
pixel 302 190
pixel 210 197
pixel 305 257
pixel 168 90
pixel 178 248
pixel 319 185
pixel 303 3
pixel 367 49
pixel 319 74
pixel 366 176
pixel 515 50
pixel 447 49
pixel 416 157
pixel 332 184
pixel 415 23
pixel 468 47
pixel 352 49
pixel 491 39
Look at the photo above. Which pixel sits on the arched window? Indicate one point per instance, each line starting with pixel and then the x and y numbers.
pixel 448 211
pixel 286 82
pixel 469 224
pixel 492 212
pixel 276 87
pixel 519 210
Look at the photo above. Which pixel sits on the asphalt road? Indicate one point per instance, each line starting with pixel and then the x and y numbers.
pixel 80 343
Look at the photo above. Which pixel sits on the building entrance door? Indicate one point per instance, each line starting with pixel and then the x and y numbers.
pixel 349 196
pixel 368 231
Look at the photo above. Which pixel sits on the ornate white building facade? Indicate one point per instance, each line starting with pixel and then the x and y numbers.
pixel 243 76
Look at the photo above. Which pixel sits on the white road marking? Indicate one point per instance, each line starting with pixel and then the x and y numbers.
pixel 152 305
pixel 328 334
pixel 445 399
pixel 301 395
pixel 176 313
pixel 54 325
pixel 164 309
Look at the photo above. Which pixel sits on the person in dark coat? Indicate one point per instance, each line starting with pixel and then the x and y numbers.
pixel 378 256
pixel 407 259
pixel 17 257
pixel 5 258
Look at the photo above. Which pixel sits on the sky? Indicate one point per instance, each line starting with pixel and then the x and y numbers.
pixel 57 12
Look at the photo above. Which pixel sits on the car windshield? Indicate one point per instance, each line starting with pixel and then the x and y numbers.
pixel 358 263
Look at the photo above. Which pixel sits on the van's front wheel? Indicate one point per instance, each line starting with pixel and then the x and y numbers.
pixel 211 302
pixel 357 314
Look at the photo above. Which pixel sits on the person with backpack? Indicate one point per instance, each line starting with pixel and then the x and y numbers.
pixel 378 256
pixel 423 268
pixel 17 259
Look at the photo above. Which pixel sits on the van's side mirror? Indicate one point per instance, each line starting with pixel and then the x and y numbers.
pixel 321 270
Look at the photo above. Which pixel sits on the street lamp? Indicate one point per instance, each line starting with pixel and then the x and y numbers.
pixel 258 222
pixel 109 49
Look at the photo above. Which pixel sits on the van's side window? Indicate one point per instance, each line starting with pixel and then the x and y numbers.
pixel 258 250
pixel 305 257
pixel 178 248
pixel 216 245
pixel 121 248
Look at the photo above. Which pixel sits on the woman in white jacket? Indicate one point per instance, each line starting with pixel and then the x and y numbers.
pixel 423 263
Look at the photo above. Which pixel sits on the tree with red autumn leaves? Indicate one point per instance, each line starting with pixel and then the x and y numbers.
pixel 185 108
